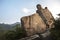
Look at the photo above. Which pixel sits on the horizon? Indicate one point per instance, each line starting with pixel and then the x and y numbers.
pixel 12 10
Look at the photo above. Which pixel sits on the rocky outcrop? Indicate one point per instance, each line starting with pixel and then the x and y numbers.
pixel 46 15
pixel 33 24
pixel 33 37
pixel 39 22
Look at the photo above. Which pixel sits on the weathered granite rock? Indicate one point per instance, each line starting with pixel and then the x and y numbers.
pixel 33 37
pixel 33 24
pixel 37 23
pixel 49 17
pixel 46 15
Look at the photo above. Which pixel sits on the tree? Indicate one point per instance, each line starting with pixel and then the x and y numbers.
pixel 56 31
pixel 14 34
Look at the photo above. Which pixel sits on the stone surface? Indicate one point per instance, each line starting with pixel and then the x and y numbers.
pixel 33 24
pixel 37 23
pixel 30 37
pixel 48 18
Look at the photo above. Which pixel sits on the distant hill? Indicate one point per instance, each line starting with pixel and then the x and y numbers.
pixel 15 23
pixel 7 26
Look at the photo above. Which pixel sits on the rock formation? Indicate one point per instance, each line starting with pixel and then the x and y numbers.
pixel 33 24
pixel 39 22
pixel 46 15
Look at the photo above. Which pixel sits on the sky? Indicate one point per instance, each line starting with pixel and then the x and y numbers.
pixel 12 10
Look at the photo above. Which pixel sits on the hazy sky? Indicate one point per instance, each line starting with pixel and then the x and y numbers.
pixel 12 10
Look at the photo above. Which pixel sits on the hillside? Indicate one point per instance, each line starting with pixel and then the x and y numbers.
pixel 7 26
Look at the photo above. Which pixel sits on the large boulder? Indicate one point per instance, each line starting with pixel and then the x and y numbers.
pixel 33 24
pixel 38 22
pixel 46 15
pixel 49 17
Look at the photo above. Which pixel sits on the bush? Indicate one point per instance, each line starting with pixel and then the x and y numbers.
pixel 56 31
pixel 14 34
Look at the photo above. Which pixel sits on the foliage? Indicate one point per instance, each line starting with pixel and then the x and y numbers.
pixel 15 34
pixel 56 31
